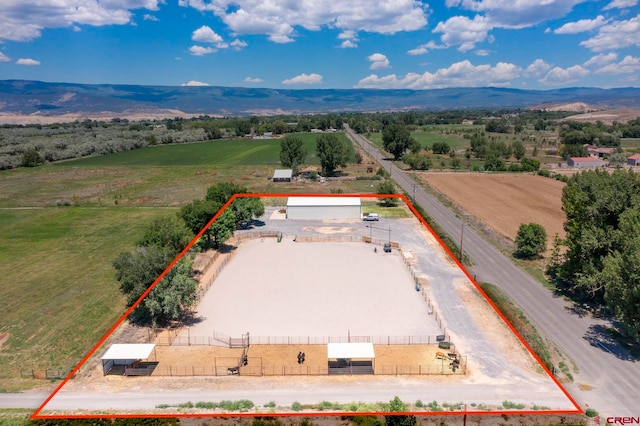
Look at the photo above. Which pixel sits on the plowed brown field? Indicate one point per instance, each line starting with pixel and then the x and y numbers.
pixel 504 201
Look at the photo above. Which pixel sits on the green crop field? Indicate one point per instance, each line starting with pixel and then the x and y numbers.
pixel 59 294
pixel 219 153
pixel 427 138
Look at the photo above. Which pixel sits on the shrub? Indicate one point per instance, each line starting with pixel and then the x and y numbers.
pixel 590 412
pixel 296 406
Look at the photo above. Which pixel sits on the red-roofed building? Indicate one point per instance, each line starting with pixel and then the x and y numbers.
pixel 634 160
pixel 584 162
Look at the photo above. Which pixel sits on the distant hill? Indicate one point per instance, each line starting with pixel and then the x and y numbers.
pixel 41 99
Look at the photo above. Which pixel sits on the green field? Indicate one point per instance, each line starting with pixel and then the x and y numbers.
pixel 59 294
pixel 427 138
pixel 219 153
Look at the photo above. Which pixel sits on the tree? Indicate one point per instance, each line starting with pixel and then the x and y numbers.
pixel 396 139
pixel 497 126
pixel 31 158
pixel 531 240
pixel 174 295
pixel 245 208
pixel 137 270
pixel 198 213
pixel 594 202
pixel 222 229
pixel 440 148
pixel 292 152
pixel 617 159
pixel 397 406
pixel 518 150
pixel 331 152
pixel 167 232
pixel 387 187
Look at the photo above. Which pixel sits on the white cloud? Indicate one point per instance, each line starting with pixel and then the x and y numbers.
pixel 463 32
pixel 28 62
pixel 378 61
pixel 253 80
pixel 4 58
pixel 615 35
pixel 581 26
pixel 424 48
pixel 521 13
pixel 466 32
pixel 195 83
pixel 482 52
pixel 601 60
pixel 149 17
pixel 537 68
pixel 460 74
pixel 200 50
pixel 628 65
pixel 24 20
pixel 350 39
pixel 205 34
pixel 620 4
pixel 278 18
pixel 559 75
pixel 304 79
pixel 238 44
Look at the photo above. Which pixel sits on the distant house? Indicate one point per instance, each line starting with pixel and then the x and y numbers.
pixel 282 175
pixel 267 135
pixel 585 162
pixel 634 160
pixel 599 152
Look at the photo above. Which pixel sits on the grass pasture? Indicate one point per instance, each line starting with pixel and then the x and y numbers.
pixel 59 293
pixel 217 153
pixel 426 138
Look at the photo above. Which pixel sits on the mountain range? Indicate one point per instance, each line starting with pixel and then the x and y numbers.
pixel 29 98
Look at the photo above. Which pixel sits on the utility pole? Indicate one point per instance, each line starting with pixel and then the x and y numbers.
pixel 461 239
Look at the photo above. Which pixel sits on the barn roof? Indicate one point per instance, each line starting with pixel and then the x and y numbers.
pixel 321 201
pixel 584 159
pixel 283 174
pixel 350 350
pixel 129 351
pixel 634 157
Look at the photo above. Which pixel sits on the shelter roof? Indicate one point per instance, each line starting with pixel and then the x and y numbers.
pixel 350 350
pixel 323 201
pixel 129 351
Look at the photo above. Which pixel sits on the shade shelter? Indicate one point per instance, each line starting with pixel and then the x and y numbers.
pixel 125 354
pixel 350 358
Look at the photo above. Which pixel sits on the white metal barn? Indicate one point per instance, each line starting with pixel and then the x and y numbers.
pixel 320 208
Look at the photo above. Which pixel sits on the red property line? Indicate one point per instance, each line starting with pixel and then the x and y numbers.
pixel 36 414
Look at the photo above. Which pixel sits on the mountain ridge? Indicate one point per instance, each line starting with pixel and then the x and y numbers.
pixel 27 97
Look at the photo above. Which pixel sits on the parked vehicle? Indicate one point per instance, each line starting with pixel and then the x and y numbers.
pixel 387 248
pixel 372 217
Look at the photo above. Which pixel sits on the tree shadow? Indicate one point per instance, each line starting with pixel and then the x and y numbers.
pixel 190 319
pixel 600 336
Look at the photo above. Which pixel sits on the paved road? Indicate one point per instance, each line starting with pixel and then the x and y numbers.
pixel 606 369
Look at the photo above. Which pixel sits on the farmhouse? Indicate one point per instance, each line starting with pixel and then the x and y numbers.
pixel 599 152
pixel 320 208
pixel 282 175
pixel 634 160
pixel 585 162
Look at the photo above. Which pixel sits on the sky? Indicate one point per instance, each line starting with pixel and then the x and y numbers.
pixel 324 44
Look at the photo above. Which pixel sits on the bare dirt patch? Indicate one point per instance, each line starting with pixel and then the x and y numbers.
pixel 3 338
pixel 504 201
pixel 621 115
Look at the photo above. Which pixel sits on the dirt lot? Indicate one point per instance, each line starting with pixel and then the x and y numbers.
pixel 504 201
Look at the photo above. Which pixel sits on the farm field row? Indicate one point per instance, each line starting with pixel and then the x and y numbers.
pixel 504 201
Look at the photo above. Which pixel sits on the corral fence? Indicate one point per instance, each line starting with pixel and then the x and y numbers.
pixel 172 338
pixel 227 366
pixel 44 373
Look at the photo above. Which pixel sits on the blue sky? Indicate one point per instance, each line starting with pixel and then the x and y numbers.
pixel 305 44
